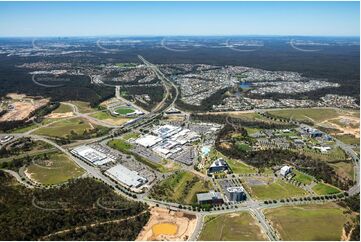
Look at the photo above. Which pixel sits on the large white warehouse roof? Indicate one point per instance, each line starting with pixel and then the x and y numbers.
pixel 148 140
pixel 126 176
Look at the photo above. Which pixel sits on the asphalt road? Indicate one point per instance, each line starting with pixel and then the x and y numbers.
pixel 251 206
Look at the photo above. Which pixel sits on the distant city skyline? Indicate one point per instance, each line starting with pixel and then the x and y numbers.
pixel 46 19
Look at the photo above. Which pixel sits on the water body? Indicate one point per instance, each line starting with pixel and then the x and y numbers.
pixel 245 85
pixel 205 150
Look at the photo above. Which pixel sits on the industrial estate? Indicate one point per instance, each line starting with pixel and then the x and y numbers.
pixel 219 144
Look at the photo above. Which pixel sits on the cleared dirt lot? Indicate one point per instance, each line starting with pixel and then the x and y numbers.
pixel 22 107
pixel 165 224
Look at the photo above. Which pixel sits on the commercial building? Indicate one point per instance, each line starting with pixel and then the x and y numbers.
pixel 148 140
pixel 125 176
pixel 166 131
pixel 323 149
pixel 167 139
pixel 91 155
pixel 236 194
pixel 285 170
pixel 211 197
pixel 6 138
pixel 218 165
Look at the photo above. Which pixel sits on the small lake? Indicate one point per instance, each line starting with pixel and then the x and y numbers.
pixel 205 150
pixel 245 85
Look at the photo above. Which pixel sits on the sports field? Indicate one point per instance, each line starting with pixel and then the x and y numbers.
pixel 325 189
pixel 231 226
pixel 124 110
pixel 268 189
pixel 65 128
pixel 54 169
pixel 180 187
pixel 308 222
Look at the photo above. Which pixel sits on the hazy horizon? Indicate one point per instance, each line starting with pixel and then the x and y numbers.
pixel 88 19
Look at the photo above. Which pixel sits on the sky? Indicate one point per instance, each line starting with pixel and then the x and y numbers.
pixel 178 18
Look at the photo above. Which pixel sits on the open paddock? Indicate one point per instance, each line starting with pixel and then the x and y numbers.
pixel 308 222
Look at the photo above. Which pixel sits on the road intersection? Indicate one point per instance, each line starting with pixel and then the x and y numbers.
pixel 252 206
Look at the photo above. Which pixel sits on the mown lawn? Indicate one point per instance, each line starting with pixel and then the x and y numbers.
pixel 55 169
pixel 275 190
pixel 232 227
pixel 308 222
pixel 123 111
pixel 303 178
pixel 120 145
pixel 238 167
pixel 130 135
pixel 325 189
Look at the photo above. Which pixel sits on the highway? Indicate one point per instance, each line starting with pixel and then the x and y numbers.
pixel 166 83
pixel 254 207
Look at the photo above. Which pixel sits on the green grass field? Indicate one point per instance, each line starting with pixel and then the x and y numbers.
pixel 239 167
pixel 325 189
pixel 275 190
pixel 63 108
pixel 333 155
pixel 251 131
pixel 348 139
pixel 303 178
pixel 180 187
pixel 56 169
pixel 124 111
pixel 64 128
pixel 23 129
pixel 130 135
pixel 101 115
pixel 308 222
pixel 344 169
pixel 307 114
pixel 121 145
pixel 108 118
pixel 232 227
pixel 83 107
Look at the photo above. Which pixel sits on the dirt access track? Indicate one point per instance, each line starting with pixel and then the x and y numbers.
pixel 165 224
